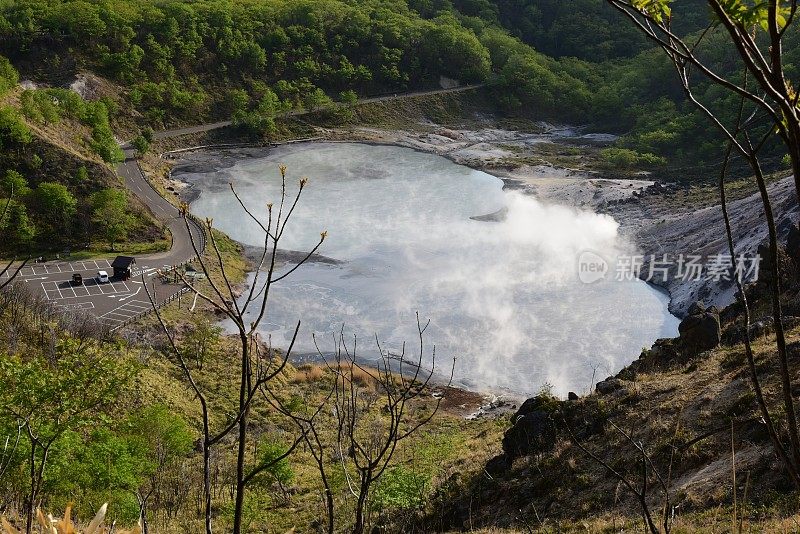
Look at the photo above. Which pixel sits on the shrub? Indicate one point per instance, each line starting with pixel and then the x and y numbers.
pixel 307 373
pixel 625 158
pixel 401 489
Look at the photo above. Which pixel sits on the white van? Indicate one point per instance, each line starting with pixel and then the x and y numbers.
pixel 102 277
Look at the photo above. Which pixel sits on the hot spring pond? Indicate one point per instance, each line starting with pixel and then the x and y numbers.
pixel 502 297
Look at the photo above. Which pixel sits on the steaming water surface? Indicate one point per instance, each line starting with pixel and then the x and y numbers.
pixel 502 297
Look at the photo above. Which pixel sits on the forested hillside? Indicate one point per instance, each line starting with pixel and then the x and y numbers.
pixel 188 60
pixel 56 190
pixel 185 62
pixel 181 62
pixel 585 29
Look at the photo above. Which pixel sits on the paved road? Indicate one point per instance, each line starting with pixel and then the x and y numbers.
pixel 121 301
pixel 114 303
pixel 181 249
pixel 166 134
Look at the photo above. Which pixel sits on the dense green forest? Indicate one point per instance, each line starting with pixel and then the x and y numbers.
pixel 583 29
pixel 185 62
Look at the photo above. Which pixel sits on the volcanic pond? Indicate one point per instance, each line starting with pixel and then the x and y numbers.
pixel 409 232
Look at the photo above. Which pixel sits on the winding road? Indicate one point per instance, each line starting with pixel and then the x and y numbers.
pixel 120 302
pixel 181 250
pixel 168 134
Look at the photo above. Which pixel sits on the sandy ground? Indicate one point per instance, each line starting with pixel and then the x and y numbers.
pixel 498 151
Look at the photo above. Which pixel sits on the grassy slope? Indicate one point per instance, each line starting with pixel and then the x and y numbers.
pixel 687 416
pixel 63 148
pixel 448 446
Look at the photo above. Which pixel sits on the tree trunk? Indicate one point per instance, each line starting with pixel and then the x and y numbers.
pixel 242 439
pixel 143 513
pixel 777 316
pixel 742 296
pixel 793 146
pixel 358 526
pixel 207 472
pixel 329 506
pixel 32 496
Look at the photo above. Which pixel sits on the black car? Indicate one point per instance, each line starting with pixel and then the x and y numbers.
pixel 77 279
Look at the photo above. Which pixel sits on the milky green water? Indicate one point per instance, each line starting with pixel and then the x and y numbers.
pixel 502 297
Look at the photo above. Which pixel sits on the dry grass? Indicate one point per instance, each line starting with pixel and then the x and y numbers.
pixel 51 525
pixel 307 373
pixel 310 373
pixel 361 377
pixel 67 134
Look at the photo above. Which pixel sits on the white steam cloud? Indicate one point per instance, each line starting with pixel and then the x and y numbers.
pixel 503 297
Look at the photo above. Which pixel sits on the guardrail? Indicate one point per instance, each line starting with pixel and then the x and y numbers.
pixel 201 226
pixel 201 246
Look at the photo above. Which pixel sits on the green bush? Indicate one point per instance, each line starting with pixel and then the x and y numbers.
pixel 400 489
pixel 625 158
pixel 9 77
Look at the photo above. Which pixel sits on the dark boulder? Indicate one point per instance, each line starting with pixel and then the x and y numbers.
pixel 663 350
pixel 608 386
pixel 572 396
pixel 544 403
pixel 498 465
pixel 533 432
pixel 697 308
pixel 700 330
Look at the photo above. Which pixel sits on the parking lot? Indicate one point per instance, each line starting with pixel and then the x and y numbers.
pixel 114 302
pixel 90 287
pixel 123 313
pixel 46 269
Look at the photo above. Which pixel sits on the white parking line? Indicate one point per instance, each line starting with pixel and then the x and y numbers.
pixel 75 306
pixel 90 288
pixel 123 315
pixel 124 312
pixel 62 267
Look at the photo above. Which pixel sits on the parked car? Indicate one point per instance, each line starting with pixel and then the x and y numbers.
pixel 77 279
pixel 102 277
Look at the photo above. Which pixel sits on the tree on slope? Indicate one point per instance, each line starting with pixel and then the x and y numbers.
pixel 757 33
pixel 111 214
